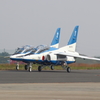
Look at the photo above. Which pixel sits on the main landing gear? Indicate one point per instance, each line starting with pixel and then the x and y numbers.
pixel 65 66
pixel 39 68
pixel 52 67
pixel 68 69
pixel 26 67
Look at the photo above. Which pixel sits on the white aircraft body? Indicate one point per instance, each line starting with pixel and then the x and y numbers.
pixel 17 56
pixel 58 56
pixel 21 52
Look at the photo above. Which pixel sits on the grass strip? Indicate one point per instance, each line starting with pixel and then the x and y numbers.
pixel 35 67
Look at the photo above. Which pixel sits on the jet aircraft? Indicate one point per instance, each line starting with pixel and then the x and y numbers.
pixel 58 56
pixel 17 56
pixel 21 51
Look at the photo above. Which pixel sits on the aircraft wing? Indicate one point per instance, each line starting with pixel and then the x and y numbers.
pixel 77 56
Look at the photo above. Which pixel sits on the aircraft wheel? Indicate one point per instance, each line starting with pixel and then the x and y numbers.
pixel 52 68
pixel 17 67
pixel 26 67
pixel 30 69
pixel 39 68
pixel 68 69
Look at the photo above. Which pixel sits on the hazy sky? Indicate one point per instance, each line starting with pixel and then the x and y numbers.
pixel 34 22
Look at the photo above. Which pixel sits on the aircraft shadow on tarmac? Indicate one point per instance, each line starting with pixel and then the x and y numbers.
pixel 51 71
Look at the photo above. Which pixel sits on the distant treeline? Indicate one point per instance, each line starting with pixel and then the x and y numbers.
pixel 4 57
pixel 3 54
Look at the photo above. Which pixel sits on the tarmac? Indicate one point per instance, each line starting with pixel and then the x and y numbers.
pixel 50 91
pixel 49 76
pixel 50 85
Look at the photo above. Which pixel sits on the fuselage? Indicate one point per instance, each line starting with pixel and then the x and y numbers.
pixel 42 58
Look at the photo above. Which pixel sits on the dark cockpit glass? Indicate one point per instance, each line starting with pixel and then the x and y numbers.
pixel 42 49
pixel 24 49
pixel 18 51
pixel 38 49
pixel 32 52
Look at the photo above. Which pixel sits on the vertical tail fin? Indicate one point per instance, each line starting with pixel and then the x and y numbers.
pixel 73 39
pixel 71 46
pixel 55 41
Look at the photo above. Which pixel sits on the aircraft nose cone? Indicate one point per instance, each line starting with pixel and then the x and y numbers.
pixel 12 57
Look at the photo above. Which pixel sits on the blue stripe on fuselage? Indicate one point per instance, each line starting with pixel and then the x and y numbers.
pixel 47 62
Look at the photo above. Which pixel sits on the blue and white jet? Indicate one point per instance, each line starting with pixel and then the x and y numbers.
pixel 25 50
pixel 58 56
pixel 21 51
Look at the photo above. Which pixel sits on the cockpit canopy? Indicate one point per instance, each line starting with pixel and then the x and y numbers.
pixel 38 49
pixel 42 48
pixel 27 49
pixel 24 49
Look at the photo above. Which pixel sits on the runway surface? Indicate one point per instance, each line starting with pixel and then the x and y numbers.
pixel 50 91
pixel 50 85
pixel 13 76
